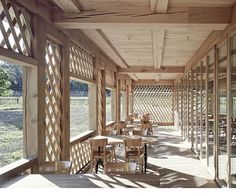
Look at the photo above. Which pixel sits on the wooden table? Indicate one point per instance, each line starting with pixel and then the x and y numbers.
pixel 83 181
pixel 118 139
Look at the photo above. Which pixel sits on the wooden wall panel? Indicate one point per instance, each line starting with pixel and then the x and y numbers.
pixel 15 28
pixel 81 62
pixel 53 101
pixel 156 100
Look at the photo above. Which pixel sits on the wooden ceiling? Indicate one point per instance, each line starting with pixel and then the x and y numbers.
pixel 157 34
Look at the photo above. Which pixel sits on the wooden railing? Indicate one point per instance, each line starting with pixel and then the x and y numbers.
pixel 80 151
pixel 17 168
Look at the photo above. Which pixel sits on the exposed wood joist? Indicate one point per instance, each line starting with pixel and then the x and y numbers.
pixel 158 40
pixel 159 6
pixel 36 8
pixel 145 69
pixel 72 6
pixel 214 17
pixel 153 82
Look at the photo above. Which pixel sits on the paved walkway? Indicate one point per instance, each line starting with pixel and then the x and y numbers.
pixel 176 163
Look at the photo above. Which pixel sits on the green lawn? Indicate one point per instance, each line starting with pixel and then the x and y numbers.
pixel 11 126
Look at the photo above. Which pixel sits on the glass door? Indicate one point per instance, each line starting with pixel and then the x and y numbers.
pixel 222 157
pixel 210 130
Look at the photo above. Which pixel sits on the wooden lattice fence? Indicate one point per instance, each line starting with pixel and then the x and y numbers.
pixel 15 28
pixel 81 62
pixel 156 100
pixel 53 101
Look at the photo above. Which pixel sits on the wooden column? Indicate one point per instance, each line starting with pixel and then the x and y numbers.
pixel 92 106
pixel 30 112
pixel 216 85
pixel 65 102
pixel 182 98
pixel 39 44
pixel 229 108
pixel 101 97
pixel 207 109
pixel 201 109
pixel 192 123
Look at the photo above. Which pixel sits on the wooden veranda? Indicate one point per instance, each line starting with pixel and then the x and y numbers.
pixel 172 59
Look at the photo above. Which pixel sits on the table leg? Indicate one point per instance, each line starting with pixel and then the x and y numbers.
pixel 145 158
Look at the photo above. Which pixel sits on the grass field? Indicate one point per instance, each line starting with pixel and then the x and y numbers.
pixel 11 126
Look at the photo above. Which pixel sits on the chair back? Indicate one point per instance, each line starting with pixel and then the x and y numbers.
pixel 55 167
pixel 137 132
pixel 134 150
pixel 98 147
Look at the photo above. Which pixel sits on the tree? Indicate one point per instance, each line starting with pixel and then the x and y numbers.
pixel 5 84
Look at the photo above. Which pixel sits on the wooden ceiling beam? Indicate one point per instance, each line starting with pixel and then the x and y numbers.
pixel 159 6
pixel 145 69
pixel 153 82
pixel 71 6
pixel 195 15
pixel 158 40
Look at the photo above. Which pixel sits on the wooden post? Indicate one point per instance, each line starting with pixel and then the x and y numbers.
pixel 216 85
pixel 207 110
pixel 65 102
pixel 30 111
pixel 101 96
pixel 92 106
pixel 39 44
pixel 229 106
pixel 201 110
pixel 192 123
pixel 182 88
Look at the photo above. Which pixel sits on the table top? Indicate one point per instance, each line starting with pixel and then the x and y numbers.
pixel 83 181
pixel 118 139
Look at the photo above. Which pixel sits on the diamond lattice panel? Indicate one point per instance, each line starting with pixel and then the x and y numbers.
pixel 15 28
pixel 81 63
pixel 53 99
pixel 156 100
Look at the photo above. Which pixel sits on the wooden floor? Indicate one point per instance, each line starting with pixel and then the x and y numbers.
pixel 175 162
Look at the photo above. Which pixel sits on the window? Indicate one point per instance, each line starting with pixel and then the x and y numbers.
pixel 79 108
pixel 122 105
pixel 108 105
pixel 11 113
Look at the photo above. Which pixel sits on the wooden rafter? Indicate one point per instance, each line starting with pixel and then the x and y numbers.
pixel 145 69
pixel 213 17
pixel 159 6
pixel 158 40
pixel 69 5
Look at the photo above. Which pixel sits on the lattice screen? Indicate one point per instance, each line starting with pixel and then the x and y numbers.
pixel 53 101
pixel 15 28
pixel 101 102
pixel 156 100
pixel 79 156
pixel 81 62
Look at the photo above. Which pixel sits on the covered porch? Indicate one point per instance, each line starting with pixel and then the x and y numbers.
pixel 163 67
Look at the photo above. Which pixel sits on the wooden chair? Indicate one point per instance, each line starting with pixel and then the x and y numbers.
pixel 101 152
pixel 120 128
pixel 134 151
pixel 55 167
pixel 138 132
pixel 147 126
